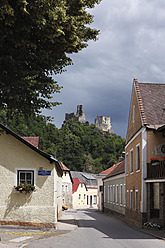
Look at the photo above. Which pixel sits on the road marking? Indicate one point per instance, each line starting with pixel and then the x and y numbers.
pixel 20 239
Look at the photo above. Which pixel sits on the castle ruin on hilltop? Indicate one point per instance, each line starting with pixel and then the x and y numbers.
pixel 79 116
pixel 104 123
pixel 101 122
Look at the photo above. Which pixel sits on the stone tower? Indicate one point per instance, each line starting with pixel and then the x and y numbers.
pixel 103 123
pixel 80 113
pixel 79 116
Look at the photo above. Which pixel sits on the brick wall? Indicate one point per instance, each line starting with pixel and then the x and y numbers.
pixel 135 218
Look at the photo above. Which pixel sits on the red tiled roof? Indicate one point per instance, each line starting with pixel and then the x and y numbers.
pixel 75 184
pixel 32 140
pixel 63 167
pixel 151 98
pixel 118 169
pixel 106 172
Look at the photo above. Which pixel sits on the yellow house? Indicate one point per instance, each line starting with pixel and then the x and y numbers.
pixel 21 162
pixel 79 193
pixel 145 155
pixel 90 181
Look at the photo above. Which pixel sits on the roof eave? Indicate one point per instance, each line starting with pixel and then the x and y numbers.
pixel 45 155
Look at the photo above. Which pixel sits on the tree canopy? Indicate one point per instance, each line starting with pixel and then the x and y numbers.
pixel 79 147
pixel 36 37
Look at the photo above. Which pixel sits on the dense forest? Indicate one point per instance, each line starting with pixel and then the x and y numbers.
pixel 79 147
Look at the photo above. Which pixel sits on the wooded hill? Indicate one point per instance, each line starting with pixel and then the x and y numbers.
pixel 79 147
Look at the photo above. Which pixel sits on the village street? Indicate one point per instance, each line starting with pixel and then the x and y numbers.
pixel 98 230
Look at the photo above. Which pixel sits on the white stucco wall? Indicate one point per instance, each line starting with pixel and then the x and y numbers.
pixel 36 207
pixel 80 203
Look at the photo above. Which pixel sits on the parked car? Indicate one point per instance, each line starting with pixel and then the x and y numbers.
pixel 64 207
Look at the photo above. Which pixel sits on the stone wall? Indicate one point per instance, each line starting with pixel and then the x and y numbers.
pixel 79 116
pixel 104 123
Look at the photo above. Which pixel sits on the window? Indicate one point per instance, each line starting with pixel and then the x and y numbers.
pixel 63 201
pixel 25 176
pixel 63 188
pixel 108 193
pixel 131 199
pixel 136 200
pixel 101 188
pixel 138 157
pixel 104 193
pixel 127 164
pixel 117 194
pixel 133 113
pixel 84 196
pixel 124 195
pixel 121 194
pixel 155 200
pixel 66 186
pixel 113 193
pixel 127 198
pixel 81 185
pixel 79 196
pixel 131 161
pixel 95 199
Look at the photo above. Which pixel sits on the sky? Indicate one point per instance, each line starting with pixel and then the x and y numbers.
pixel 131 45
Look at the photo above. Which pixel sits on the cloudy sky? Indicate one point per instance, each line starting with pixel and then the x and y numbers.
pixel 131 45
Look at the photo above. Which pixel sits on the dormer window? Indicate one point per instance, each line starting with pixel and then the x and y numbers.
pixel 133 113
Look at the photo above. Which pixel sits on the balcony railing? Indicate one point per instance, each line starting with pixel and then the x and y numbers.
pixel 156 170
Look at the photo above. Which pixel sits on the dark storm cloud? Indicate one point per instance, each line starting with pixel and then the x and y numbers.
pixel 130 45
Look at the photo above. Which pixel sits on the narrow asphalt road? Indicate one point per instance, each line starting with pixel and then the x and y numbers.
pixel 98 230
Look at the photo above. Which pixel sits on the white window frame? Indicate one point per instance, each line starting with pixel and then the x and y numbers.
pixel 124 195
pixel 111 193
pixel 95 199
pixel 108 193
pixel 131 199
pixel 79 196
pixel 126 164
pixel 121 194
pixel 131 161
pixel 117 194
pixel 66 187
pixel 137 157
pixel 127 198
pixel 136 200
pixel 25 169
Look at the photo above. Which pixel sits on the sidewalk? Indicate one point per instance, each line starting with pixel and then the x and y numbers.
pixel 160 234
pixel 19 237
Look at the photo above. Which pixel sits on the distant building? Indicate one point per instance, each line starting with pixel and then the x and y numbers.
pixel 66 186
pixel 79 116
pixel 114 190
pixel 103 123
pixel 90 181
pixel 79 193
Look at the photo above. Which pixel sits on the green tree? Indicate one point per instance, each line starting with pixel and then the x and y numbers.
pixel 36 37
pixel 79 147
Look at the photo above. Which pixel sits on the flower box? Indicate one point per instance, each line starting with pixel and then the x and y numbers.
pixel 25 188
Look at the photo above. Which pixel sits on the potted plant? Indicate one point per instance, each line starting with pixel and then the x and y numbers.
pixel 154 161
pixel 25 188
